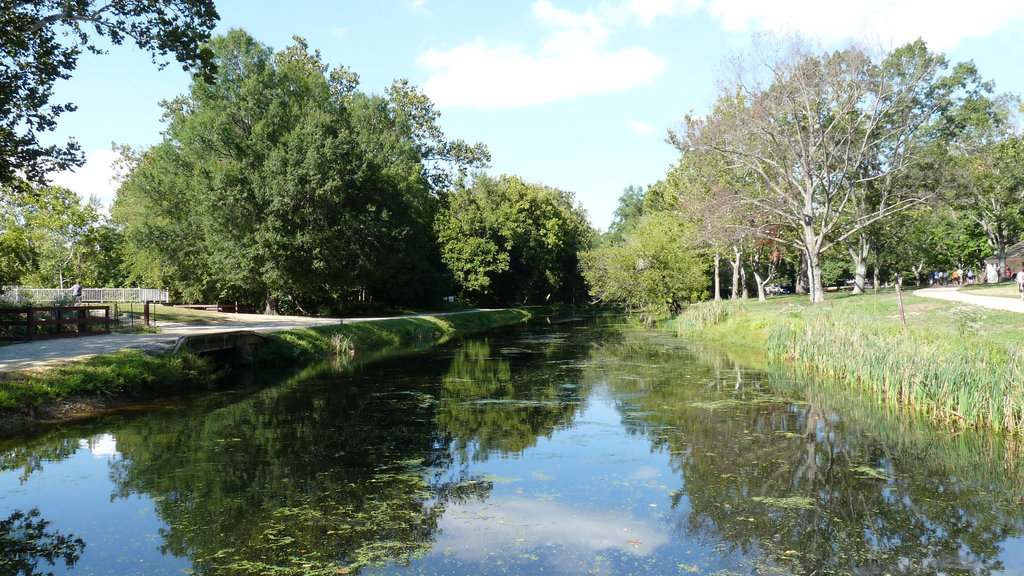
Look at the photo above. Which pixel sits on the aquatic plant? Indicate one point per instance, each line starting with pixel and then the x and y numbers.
pixel 944 364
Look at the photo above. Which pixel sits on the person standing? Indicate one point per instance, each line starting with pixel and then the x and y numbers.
pixel 76 293
pixel 1020 282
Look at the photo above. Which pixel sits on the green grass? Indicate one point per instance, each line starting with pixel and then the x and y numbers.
pixel 128 372
pixel 132 373
pixel 303 344
pixel 1002 289
pixel 960 364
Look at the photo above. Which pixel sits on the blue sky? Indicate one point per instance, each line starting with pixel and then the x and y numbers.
pixel 571 94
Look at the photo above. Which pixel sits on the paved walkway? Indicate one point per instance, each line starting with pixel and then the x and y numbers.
pixel 47 353
pixel 42 353
pixel 952 293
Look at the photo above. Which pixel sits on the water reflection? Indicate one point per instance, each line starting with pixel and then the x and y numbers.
pixel 486 407
pixel 26 539
pixel 556 450
pixel 806 491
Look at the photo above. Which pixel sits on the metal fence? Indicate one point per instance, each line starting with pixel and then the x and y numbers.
pixel 88 294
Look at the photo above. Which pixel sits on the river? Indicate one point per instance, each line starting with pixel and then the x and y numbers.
pixel 563 447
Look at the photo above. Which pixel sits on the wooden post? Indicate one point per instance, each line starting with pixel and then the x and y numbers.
pixel 30 323
pixel 899 300
pixel 145 313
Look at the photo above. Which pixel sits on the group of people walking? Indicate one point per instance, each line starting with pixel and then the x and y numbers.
pixel 958 277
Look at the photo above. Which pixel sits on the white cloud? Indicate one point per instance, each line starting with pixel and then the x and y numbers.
pixel 100 446
pixel 573 60
pixel 648 10
pixel 472 529
pixel 94 179
pixel 640 127
pixel 941 23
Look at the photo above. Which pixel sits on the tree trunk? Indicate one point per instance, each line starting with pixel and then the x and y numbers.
pixel 812 245
pixel 995 236
pixel 800 286
pixel 760 285
pixel 859 253
pixel 918 270
pixel 816 288
pixel 876 274
pixel 718 278
pixel 271 309
pixel 743 282
pixel 735 273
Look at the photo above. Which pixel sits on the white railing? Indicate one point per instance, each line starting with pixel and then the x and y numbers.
pixel 88 294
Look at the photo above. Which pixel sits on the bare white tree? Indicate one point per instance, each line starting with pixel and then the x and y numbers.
pixel 822 133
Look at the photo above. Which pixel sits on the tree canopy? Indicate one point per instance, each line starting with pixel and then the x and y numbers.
pixel 280 180
pixel 42 41
pixel 510 242
pixel 824 135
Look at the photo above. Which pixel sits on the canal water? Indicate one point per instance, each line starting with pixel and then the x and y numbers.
pixel 563 447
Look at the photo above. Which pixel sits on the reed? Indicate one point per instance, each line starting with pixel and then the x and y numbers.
pixel 956 364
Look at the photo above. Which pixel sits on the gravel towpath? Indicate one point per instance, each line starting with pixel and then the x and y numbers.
pixel 951 293
pixel 46 353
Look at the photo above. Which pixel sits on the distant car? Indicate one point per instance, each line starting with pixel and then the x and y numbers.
pixel 776 290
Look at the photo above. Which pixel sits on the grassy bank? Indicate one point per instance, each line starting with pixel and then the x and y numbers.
pixel 70 390
pixel 129 373
pixel 960 364
pixel 304 344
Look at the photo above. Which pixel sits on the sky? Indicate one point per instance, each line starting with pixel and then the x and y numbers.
pixel 570 94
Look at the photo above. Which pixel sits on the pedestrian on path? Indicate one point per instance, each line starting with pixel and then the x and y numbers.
pixel 76 293
pixel 1020 282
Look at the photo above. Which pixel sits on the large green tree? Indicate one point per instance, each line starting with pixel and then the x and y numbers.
pixel 984 161
pixel 510 242
pixel 654 269
pixel 41 41
pixel 279 182
pixel 48 237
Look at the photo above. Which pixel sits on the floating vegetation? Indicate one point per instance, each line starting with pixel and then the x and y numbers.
pixel 752 400
pixel 865 471
pixel 523 403
pixel 789 503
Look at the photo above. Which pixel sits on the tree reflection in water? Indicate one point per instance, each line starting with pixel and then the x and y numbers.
pixel 332 472
pixel 788 482
pixel 25 541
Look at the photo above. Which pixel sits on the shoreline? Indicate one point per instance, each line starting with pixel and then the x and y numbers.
pixel 56 394
pixel 957 363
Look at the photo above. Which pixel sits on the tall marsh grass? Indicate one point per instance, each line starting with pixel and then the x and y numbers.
pixel 943 365
pixel 970 382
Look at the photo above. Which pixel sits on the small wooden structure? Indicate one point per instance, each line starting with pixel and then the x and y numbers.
pixel 1014 259
pixel 41 322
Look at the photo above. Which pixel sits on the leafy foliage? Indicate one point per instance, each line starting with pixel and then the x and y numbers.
pixel 36 55
pixel 506 241
pixel 278 182
pixel 653 269
pixel 49 236
pixel 25 540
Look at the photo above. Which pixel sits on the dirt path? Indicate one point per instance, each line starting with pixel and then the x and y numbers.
pixel 953 294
